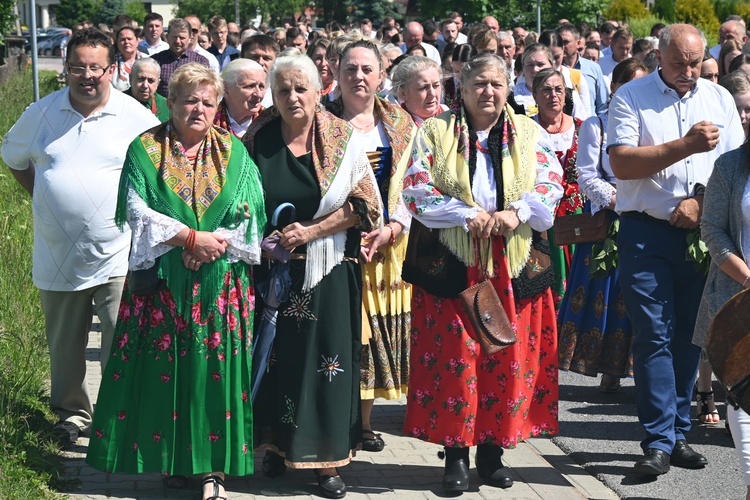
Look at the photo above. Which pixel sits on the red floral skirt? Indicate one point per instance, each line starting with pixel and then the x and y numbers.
pixel 460 397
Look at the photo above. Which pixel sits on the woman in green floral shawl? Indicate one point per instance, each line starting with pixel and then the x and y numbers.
pixel 174 396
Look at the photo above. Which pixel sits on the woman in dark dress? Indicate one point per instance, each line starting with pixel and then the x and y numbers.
pixel 308 405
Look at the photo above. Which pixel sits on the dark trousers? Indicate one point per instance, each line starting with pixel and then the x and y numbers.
pixel 661 290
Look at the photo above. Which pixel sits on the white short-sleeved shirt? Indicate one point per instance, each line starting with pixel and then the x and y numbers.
pixel 150 50
pixel 78 162
pixel 646 112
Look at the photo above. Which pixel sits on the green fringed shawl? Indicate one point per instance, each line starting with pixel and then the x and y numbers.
pixel 242 186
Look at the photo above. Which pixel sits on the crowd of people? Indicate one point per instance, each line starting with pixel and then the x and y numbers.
pixel 370 178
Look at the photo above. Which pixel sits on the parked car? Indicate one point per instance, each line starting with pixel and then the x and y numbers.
pixel 51 46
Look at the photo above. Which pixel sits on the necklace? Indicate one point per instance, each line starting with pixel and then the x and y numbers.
pixel 559 129
pixel 361 129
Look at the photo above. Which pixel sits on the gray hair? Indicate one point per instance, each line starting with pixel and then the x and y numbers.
pixel 288 62
pixel 407 70
pixel 142 63
pixel 667 33
pixel 502 35
pixel 231 73
pixel 544 75
pixel 481 63
pixel 736 82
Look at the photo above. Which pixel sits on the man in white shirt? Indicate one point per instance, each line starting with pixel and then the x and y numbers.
pixel 665 132
pixel 730 30
pixel 153 27
pixel 622 44
pixel 413 34
pixel 448 34
pixel 196 27
pixel 67 151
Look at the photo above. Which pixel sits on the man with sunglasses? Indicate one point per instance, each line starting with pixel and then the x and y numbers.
pixel 67 151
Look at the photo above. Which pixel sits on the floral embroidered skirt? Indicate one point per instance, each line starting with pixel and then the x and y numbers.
pixel 386 299
pixel 175 394
pixel 459 396
pixel 307 409
pixel 595 331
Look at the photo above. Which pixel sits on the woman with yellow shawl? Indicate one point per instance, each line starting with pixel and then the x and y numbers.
pixel 480 176
pixel 386 131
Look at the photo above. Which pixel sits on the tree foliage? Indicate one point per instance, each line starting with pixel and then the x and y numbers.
pixel 7 18
pixel 374 10
pixel 136 10
pixel 273 12
pixel 699 13
pixel 665 10
pixel 626 10
pixel 71 12
pixel 109 10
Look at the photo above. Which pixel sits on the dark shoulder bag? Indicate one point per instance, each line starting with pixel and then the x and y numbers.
pixel 430 265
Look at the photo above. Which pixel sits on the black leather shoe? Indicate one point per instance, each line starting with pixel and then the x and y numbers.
pixel 684 456
pixel 66 434
pixel 331 486
pixel 374 444
pixel 490 466
pixel 456 475
pixel 273 464
pixel 653 463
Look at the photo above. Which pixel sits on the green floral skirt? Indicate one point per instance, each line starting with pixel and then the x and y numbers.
pixel 175 396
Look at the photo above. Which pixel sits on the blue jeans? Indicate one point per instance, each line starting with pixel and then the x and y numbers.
pixel 662 291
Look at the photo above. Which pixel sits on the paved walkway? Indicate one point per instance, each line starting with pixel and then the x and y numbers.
pixel 406 469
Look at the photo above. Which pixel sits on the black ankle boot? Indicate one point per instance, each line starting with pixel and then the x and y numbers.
pixel 456 475
pixel 490 466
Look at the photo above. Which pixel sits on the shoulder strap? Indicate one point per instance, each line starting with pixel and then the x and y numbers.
pixel 601 141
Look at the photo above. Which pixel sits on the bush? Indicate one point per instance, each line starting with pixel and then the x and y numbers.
pixel 626 10
pixel 28 463
pixel 701 14
pixel 642 27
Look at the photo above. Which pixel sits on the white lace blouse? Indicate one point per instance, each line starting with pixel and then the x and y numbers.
pixel 151 229
pixel 595 177
pixel 438 211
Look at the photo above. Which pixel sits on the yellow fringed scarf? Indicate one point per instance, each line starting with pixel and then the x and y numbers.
pixel 448 134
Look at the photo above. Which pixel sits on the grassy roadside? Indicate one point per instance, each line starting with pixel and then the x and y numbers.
pixel 29 465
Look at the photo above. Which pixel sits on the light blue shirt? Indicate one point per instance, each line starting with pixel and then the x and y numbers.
pixel 646 112
pixel 598 88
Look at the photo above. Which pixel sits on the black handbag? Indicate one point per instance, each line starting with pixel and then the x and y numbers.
pixel 146 282
pixel 430 265
pixel 538 274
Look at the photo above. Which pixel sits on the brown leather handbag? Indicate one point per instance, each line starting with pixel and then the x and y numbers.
pixel 582 228
pixel 492 328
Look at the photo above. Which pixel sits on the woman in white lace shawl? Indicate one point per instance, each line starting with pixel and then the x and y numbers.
pixel 594 330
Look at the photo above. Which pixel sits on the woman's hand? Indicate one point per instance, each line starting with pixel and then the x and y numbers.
pixel 373 240
pixel 504 222
pixel 190 260
pixel 481 225
pixel 612 202
pixel 297 234
pixel 209 246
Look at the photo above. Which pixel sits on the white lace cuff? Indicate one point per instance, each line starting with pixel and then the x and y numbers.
pixel 150 229
pixel 600 195
pixel 238 248
pixel 523 211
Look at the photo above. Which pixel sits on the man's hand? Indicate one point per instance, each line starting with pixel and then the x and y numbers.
pixel 687 215
pixel 702 137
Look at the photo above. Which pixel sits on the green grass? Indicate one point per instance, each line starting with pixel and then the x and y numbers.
pixel 29 465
